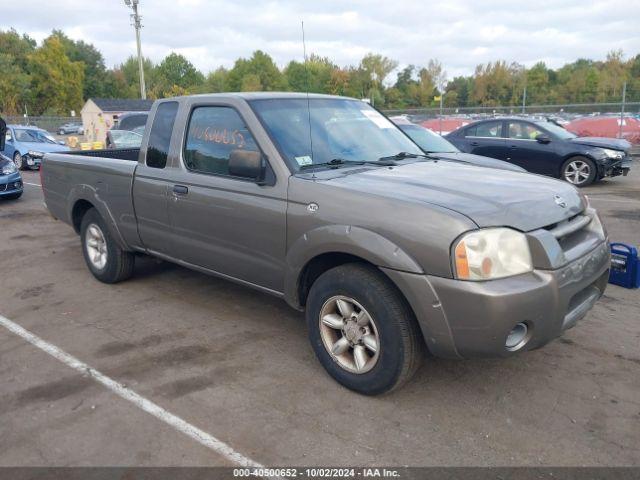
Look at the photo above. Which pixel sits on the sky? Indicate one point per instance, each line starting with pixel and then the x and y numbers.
pixel 459 33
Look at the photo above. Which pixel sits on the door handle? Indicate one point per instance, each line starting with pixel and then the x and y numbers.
pixel 180 190
pixel 513 147
pixel 474 144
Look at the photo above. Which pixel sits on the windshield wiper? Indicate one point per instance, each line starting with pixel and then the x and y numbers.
pixel 338 162
pixel 403 155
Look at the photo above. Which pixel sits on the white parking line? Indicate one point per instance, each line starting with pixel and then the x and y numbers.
pixel 148 406
pixel 33 184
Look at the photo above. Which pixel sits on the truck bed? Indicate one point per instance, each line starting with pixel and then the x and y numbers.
pixel 130 154
pixel 104 181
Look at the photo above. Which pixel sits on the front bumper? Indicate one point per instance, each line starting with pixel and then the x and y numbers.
pixel 10 184
pixel 462 319
pixel 32 162
pixel 617 167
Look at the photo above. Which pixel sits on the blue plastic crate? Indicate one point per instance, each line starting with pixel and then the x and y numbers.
pixel 625 266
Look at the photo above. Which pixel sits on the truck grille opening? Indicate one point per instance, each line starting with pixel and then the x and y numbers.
pixel 570 231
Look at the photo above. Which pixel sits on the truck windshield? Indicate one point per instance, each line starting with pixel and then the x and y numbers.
pixel 349 130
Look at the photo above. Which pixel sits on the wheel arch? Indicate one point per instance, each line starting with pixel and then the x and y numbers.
pixel 327 247
pixel 82 200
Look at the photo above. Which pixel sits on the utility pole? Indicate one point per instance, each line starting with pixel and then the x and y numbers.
pixel 441 104
pixel 524 100
pixel 624 98
pixel 135 19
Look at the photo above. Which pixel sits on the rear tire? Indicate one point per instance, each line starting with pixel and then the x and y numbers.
pixel 365 366
pixel 105 259
pixel 579 171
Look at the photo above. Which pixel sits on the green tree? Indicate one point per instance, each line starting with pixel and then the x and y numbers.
pixel 18 47
pixel 313 75
pixel 130 72
pixel 15 85
pixel 217 81
pixel 260 65
pixel 57 81
pixel 176 74
pixel 94 69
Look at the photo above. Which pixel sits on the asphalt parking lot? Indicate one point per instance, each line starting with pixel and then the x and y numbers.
pixel 236 364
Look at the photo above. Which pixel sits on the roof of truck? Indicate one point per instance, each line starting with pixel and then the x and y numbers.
pixel 266 95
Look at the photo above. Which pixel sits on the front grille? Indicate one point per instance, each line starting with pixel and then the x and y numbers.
pixel 3 187
pixel 570 226
pixel 574 234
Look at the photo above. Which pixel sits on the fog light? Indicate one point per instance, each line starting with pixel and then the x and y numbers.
pixel 517 337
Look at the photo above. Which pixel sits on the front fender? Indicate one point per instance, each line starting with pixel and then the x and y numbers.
pixel 92 195
pixel 348 239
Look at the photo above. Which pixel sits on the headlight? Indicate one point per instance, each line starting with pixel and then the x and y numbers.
pixel 491 253
pixel 9 168
pixel 612 153
pixel 34 154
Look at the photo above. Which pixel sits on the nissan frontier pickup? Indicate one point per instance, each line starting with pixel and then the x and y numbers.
pixel 322 201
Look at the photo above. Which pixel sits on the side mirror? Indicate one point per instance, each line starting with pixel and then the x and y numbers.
pixel 3 133
pixel 61 142
pixel 543 138
pixel 247 164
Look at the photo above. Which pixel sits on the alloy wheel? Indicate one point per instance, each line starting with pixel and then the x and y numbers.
pixel 349 334
pixel 577 172
pixel 96 246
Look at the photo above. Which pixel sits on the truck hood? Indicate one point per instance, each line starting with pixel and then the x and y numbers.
pixel 613 143
pixel 479 161
pixel 487 196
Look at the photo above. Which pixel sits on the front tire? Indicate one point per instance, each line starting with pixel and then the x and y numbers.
pixel 579 171
pixel 105 259
pixel 362 329
pixel 18 161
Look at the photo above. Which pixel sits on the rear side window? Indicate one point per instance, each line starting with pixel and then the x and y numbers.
pixel 488 129
pixel 160 136
pixel 215 132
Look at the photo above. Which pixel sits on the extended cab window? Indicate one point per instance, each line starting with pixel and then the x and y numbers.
pixel 213 133
pixel 488 129
pixel 160 135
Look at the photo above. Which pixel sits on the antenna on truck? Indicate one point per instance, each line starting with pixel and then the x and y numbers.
pixel 306 84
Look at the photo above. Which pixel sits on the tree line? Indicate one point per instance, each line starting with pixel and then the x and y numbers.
pixel 58 75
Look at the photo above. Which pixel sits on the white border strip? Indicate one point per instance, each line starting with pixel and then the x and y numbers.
pixel 148 406
pixel 32 184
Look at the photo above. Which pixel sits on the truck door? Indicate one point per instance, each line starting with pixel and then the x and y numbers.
pixel 225 224
pixel 152 180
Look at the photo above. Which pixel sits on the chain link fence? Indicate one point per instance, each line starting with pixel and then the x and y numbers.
pixel 49 123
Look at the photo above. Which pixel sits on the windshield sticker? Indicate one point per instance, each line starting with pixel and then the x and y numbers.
pixel 304 160
pixel 377 118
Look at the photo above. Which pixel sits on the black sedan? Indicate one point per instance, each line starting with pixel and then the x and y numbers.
pixel 546 148
pixel 432 143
